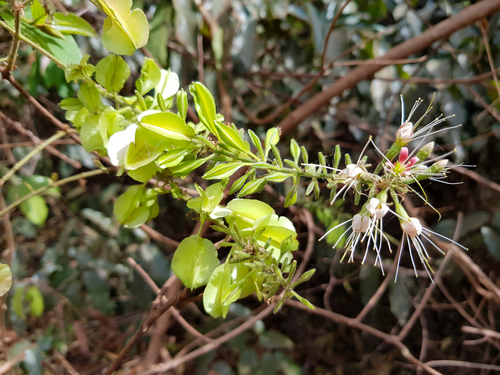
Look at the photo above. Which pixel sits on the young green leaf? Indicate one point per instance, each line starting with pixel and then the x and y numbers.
pixel 182 103
pixel 336 157
pixel 256 142
pixel 295 150
pixel 172 158
pixel 238 184
pixel 252 187
pixel 35 299
pixel 305 156
pixel 112 72
pixel 124 30
pixel 272 138
pixel 216 288
pixel 222 171
pixel 231 137
pixel 169 125
pixel 277 155
pixel 187 167
pixel 149 78
pixel 90 97
pixel 205 105
pixel 194 261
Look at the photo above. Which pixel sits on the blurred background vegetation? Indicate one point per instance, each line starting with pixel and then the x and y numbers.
pixel 76 297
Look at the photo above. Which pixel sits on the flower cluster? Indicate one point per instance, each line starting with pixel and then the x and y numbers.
pixel 394 176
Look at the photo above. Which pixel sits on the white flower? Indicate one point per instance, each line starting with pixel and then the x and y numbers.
pixel 351 172
pixel 118 145
pixel 412 230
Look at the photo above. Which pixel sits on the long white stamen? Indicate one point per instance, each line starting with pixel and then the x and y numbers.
pixel 335 227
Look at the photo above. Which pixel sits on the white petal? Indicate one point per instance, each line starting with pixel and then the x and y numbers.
pixel 118 144
pixel 169 84
pixel 352 170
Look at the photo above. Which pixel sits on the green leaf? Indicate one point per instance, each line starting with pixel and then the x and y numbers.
pixel 272 138
pixel 215 290
pixel 305 277
pixel 90 97
pixel 275 340
pixel 252 187
pixel 124 31
pixel 222 171
pixel 491 239
pixel 205 105
pixel 238 184
pixel 62 51
pixel 141 152
pixel 149 78
pixel 295 150
pixel 72 24
pixel 256 142
pixel 35 299
pixel 182 103
pixel 169 125
pixel 172 158
pixel 112 72
pixel 91 134
pixel 5 279
pixel 136 206
pixel 247 211
pixel 277 177
pixel 399 300
pixel 144 174
pixel 194 261
pixel 278 228
pixel 231 137
pixel 35 209
pixel 187 167
pixel 71 104
pixel 37 12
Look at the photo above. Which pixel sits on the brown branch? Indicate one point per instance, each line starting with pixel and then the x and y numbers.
pixel 28 133
pixel 442 30
pixel 390 339
pixel 174 363
pixel 155 312
pixel 177 315
pixel 158 237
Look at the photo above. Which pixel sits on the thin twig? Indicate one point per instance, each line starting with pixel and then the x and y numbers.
pixel 154 314
pixel 64 181
pixel 158 237
pixel 17 8
pixel 390 339
pixel 174 363
pixel 32 153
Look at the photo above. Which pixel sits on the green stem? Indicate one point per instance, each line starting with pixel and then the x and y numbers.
pixel 35 151
pixel 64 181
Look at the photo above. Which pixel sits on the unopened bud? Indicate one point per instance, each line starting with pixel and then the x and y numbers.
pixel 425 151
pixel 404 133
pixel 438 166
